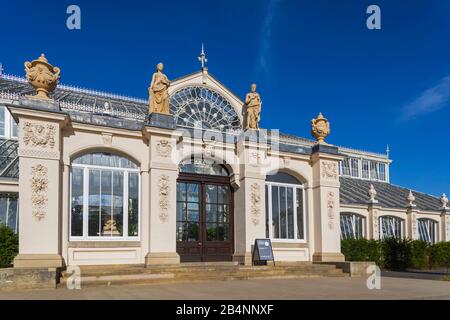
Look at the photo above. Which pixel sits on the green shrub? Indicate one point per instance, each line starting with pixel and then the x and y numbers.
pixel 419 256
pixel 361 250
pixel 440 255
pixel 9 246
pixel 396 253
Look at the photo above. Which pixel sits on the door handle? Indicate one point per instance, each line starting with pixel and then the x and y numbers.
pixel 200 243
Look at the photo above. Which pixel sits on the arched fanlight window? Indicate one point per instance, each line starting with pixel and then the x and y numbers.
pixel 285 212
pixel 200 107
pixel 104 197
pixel 203 166
pixel 391 227
pixel 427 230
pixel 352 226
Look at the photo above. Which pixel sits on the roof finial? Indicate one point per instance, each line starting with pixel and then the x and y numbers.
pixel 387 151
pixel 411 198
pixel 372 194
pixel 1 69
pixel 202 57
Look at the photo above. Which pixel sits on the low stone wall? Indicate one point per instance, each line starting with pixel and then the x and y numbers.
pixel 11 278
pixel 353 268
pixel 6 277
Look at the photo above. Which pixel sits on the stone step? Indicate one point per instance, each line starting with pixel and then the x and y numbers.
pixel 172 278
pixel 98 271
pixel 140 275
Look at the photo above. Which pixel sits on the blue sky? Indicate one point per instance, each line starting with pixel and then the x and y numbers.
pixel 377 87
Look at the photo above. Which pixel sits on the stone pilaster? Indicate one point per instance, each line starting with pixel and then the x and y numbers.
pixel 163 176
pixel 373 231
pixel 40 184
pixel 250 212
pixel 411 222
pixel 445 225
pixel 327 244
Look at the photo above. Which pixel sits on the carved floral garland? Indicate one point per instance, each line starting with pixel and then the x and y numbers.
pixel 255 199
pixel 39 188
pixel 164 197
pixel 330 206
pixel 375 224
pixel 329 170
pixel 40 135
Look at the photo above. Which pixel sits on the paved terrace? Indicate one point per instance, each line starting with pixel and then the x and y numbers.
pixel 316 288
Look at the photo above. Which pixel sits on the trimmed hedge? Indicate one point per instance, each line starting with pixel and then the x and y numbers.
pixel 9 246
pixel 398 254
pixel 440 255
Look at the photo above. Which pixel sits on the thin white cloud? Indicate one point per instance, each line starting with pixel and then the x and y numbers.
pixel 265 38
pixel 431 100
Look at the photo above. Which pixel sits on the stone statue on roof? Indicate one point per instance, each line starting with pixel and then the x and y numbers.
pixel 159 92
pixel 253 108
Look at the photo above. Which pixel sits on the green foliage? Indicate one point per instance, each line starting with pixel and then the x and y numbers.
pixel 440 255
pixel 420 254
pixel 9 246
pixel 361 250
pixel 397 254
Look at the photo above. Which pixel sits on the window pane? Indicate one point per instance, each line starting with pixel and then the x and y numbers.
pixel 382 171
pixel 345 167
pixel 365 169
pixel 181 191
pixel 222 232
pixel 193 192
pixel 354 167
pixel 94 203
pixel 290 212
pixel 373 170
pixel 211 194
pixel 211 232
pixel 193 213
pixel 106 204
pixel 181 211
pixel 2 121
pixel 12 213
pixel 193 234
pixel 275 213
pixel 182 231
pixel 3 206
pixel 283 213
pixel 133 204
pixel 13 128
pixel 300 215
pixel 223 194
pixel 77 202
pixel 117 204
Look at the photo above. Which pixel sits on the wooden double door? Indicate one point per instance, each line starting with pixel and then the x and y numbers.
pixel 204 218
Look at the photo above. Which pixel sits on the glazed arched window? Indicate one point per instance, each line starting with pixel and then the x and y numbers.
pixel 352 225
pixel 285 212
pixel 427 230
pixel 203 108
pixel 104 197
pixel 391 227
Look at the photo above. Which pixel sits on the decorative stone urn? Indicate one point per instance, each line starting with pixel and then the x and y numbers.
pixel 320 128
pixel 42 76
